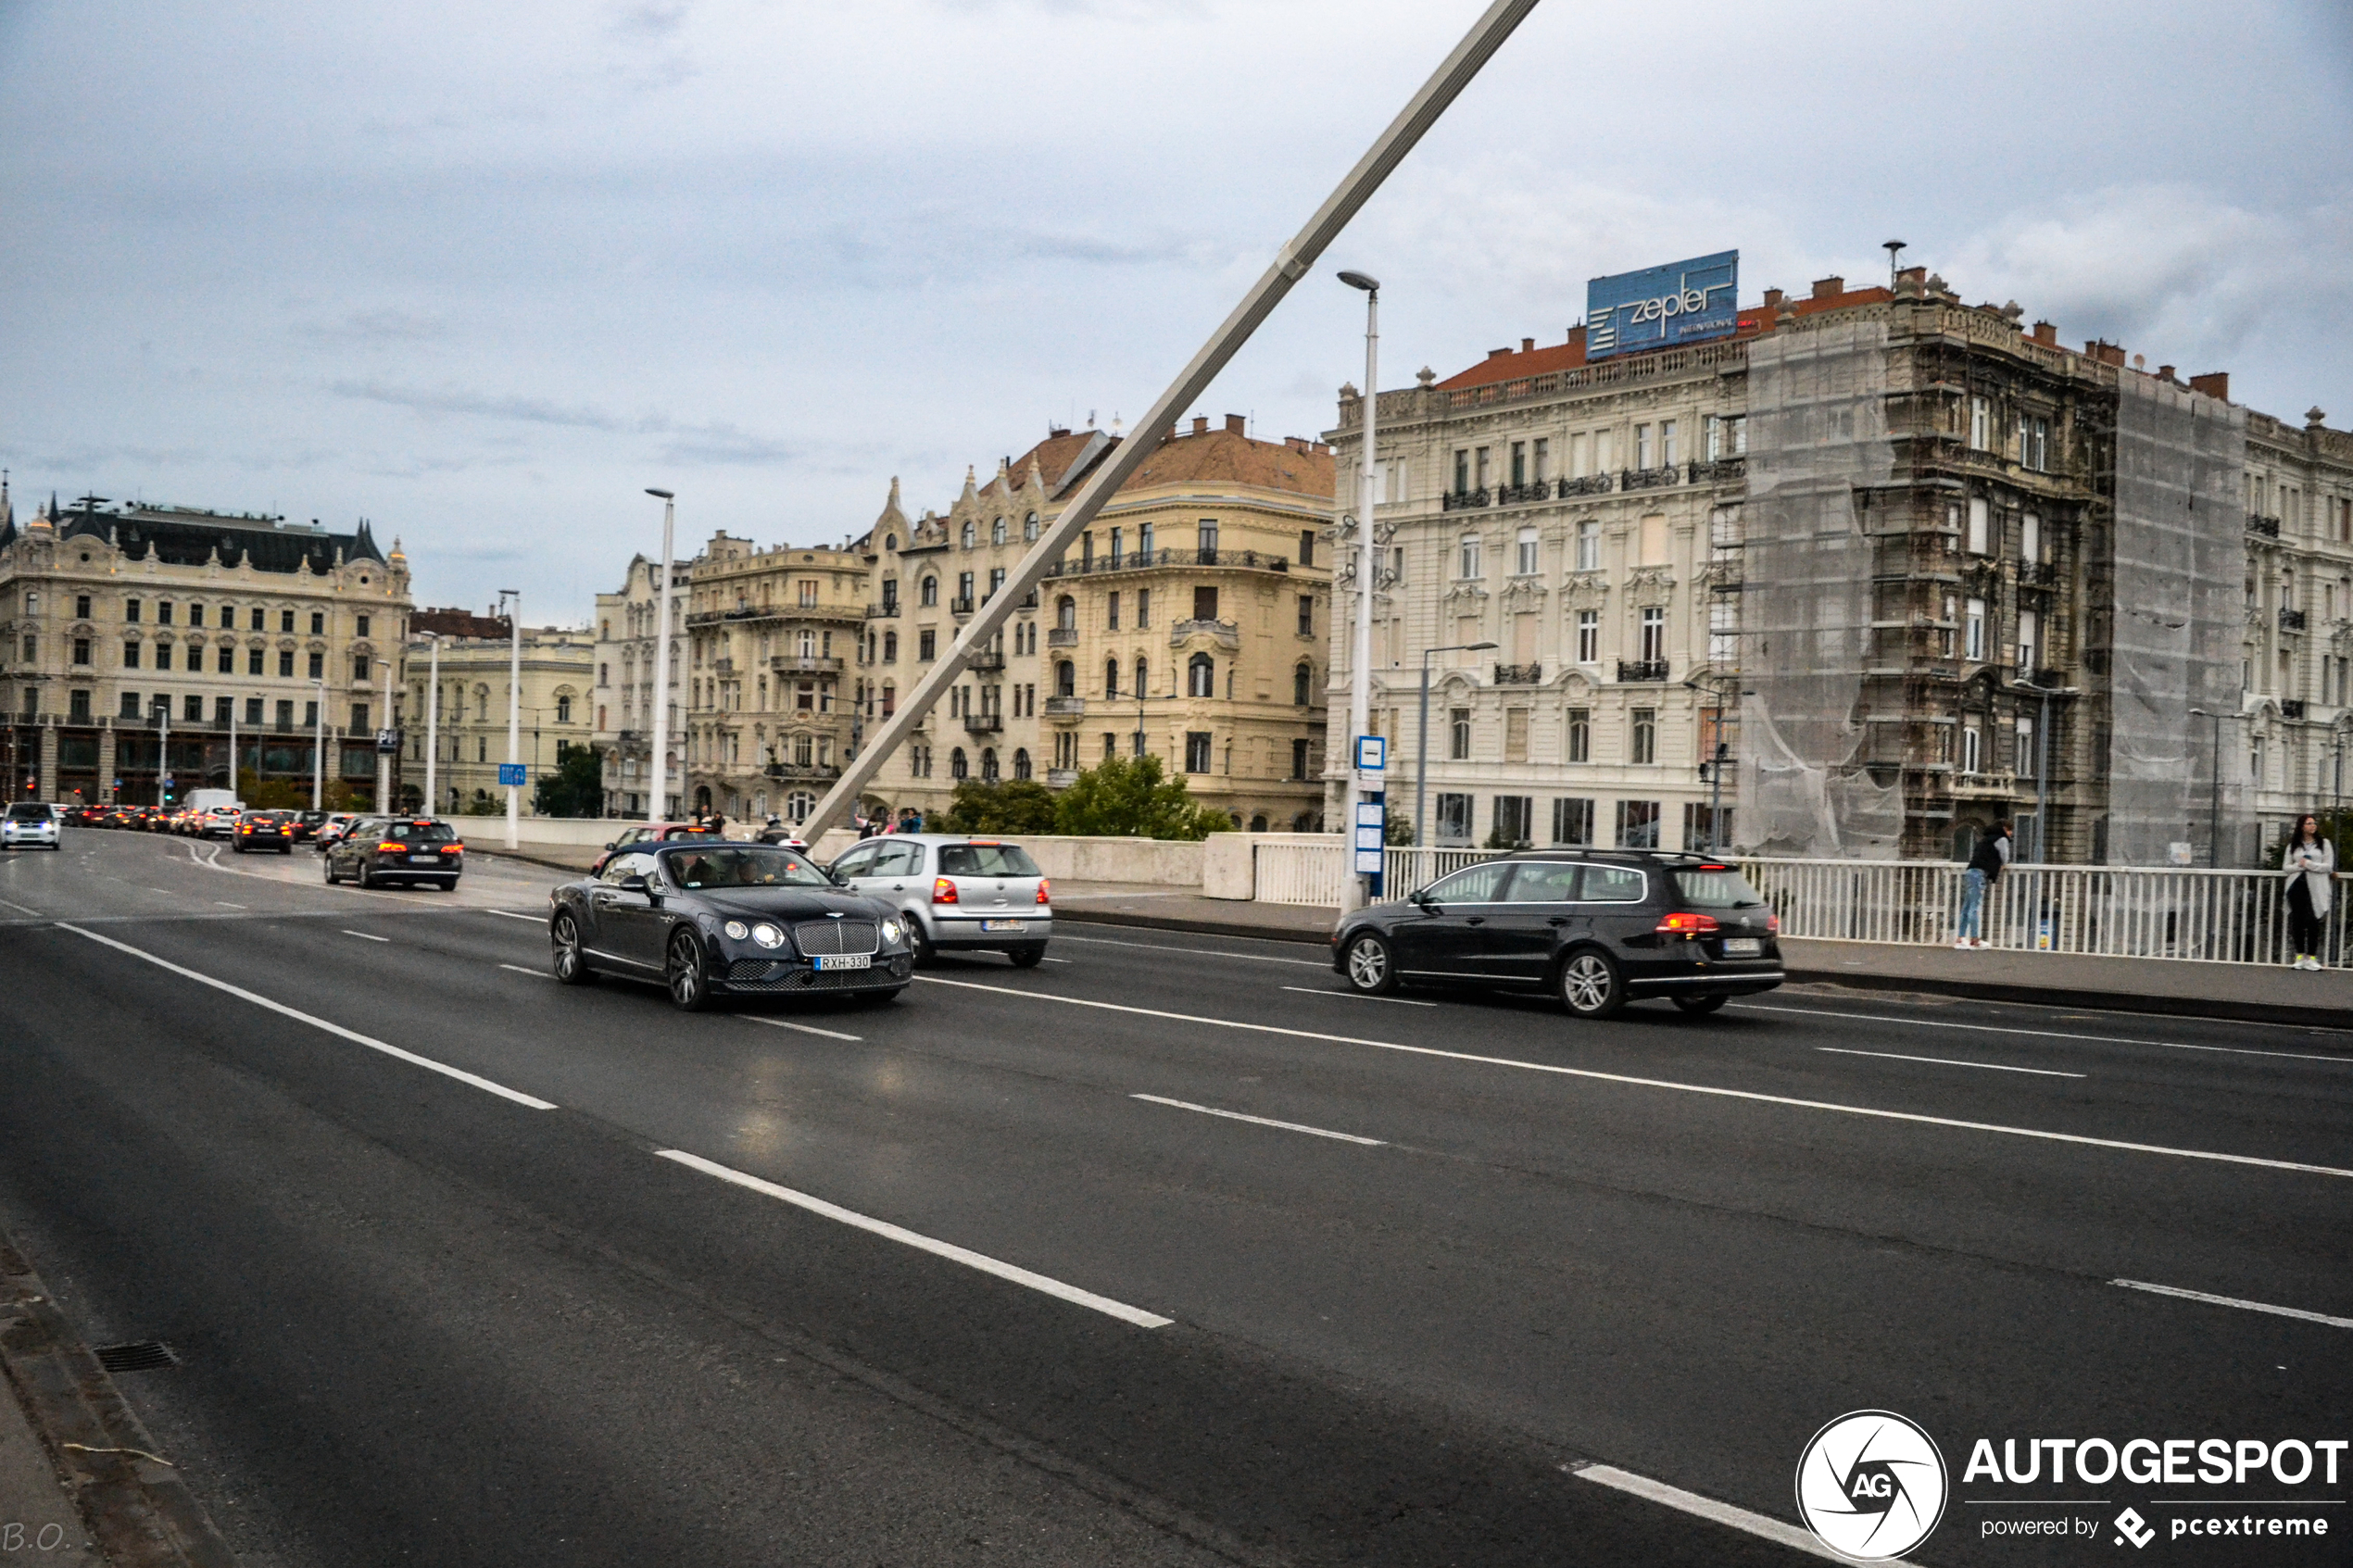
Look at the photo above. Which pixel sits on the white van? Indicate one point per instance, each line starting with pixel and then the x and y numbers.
pixel 203 800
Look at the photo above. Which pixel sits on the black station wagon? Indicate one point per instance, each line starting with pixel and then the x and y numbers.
pixel 1598 928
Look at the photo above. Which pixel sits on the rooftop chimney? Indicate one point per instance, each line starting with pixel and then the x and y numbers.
pixel 2215 385
pixel 1200 424
pixel 1497 353
pixel 1527 345
pixel 1829 288
pixel 1773 298
pixel 2165 372
pixel 2046 333
pixel 1237 425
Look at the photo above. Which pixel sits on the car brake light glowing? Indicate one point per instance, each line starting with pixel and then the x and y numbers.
pixel 1773 922
pixel 391 847
pixel 1684 923
pixel 942 890
pixel 453 848
pixel 1043 887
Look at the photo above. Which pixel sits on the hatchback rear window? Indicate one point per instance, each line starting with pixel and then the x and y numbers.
pixel 28 814
pixel 420 833
pixel 1715 887
pixel 986 860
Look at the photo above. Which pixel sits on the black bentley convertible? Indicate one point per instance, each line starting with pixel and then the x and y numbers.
pixel 707 918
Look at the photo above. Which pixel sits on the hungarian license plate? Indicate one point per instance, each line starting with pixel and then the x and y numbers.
pixel 846 960
pixel 1000 925
pixel 425 860
pixel 1743 946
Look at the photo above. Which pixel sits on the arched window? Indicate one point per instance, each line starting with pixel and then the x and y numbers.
pixel 1258 823
pixel 970 534
pixel 1066 614
pixel 988 765
pixel 1029 526
pixel 1111 677
pixel 1021 763
pixel 1303 681
pixel 1143 676
pixel 1065 678
pixel 957 767
pixel 889 698
pixel 890 648
pixel 563 709
pixel 891 541
pixel 929 592
pixel 1201 675
pixel 997 532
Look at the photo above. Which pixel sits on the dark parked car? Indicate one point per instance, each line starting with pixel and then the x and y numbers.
pixel 709 918
pixel 377 851
pixel 1596 928
pixel 264 830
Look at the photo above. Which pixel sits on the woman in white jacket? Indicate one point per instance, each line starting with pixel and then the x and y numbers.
pixel 2310 867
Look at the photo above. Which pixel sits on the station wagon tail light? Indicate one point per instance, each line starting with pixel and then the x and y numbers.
pixel 1044 887
pixel 1684 923
pixel 453 848
pixel 391 847
pixel 943 891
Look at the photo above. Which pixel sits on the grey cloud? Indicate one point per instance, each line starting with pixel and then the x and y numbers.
pixel 388 326
pixel 453 400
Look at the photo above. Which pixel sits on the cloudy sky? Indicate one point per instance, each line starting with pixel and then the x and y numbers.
pixel 481 271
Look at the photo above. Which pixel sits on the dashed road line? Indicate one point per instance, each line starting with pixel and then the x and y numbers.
pixel 2211 1301
pixel 1262 1121
pixel 802 1028
pixel 1204 952
pixel 365 938
pixel 1790 1535
pixel 1357 996
pixel 1951 1062
pixel 2340 1058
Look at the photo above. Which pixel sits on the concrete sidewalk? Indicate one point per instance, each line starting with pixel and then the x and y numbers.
pixel 2250 992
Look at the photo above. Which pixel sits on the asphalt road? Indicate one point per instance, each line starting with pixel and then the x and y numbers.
pixel 465 1267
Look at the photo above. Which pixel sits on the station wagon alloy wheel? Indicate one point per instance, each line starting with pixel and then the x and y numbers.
pixel 1590 986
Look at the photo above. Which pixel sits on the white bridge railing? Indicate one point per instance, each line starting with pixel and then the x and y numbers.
pixel 2116 911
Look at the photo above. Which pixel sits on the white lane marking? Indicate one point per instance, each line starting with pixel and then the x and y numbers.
pixel 2297 1312
pixel 803 1028
pixel 335 1029
pixel 21 910
pixel 1772 1529
pixel 509 914
pixel 1874 1112
pixel 1357 996
pixel 1204 952
pixel 2044 1033
pixel 1950 1061
pixel 970 1259
pixel 365 938
pixel 1058 960
pixel 1261 1121
pixel 535 974
pixel 226 904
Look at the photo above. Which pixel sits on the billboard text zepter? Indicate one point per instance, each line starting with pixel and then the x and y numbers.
pixel 1660 306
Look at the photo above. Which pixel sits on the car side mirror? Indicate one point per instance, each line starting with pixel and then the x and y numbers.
pixel 1418 896
pixel 633 885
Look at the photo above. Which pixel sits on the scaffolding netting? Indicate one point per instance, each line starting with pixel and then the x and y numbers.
pixel 2177 562
pixel 1817 436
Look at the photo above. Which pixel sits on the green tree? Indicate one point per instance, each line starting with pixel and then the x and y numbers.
pixel 577 787
pixel 257 794
pixel 1128 797
pixel 1014 806
pixel 1400 830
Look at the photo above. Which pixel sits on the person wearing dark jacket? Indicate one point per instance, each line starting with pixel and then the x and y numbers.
pixel 1984 868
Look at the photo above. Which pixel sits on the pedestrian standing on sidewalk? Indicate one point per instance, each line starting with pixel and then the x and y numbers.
pixel 2310 867
pixel 1984 868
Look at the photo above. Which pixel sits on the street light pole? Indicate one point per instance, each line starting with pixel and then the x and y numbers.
pixel 658 801
pixel 510 600
pixel 432 730
pixel 1355 889
pixel 2214 809
pixel 1421 743
pixel 318 749
pixel 384 756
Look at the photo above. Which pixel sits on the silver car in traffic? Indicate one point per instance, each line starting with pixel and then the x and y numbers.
pixel 959 892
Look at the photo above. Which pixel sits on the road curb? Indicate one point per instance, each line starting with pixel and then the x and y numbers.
pixel 2222 1009
pixel 141 1513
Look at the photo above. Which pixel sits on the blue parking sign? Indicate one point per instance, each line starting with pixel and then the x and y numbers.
pixel 510 775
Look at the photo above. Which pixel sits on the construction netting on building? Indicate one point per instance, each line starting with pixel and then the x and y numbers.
pixel 1816 437
pixel 2178 564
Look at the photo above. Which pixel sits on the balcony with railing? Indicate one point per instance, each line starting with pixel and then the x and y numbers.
pixel 1141 561
pixel 1066 708
pixel 875 612
pixel 1633 671
pixel 1519 674
pixel 723 667
pixel 1227 632
pixel 2291 707
pixel 2291 619
pixel 2269 527
pixel 988 660
pixel 1591 485
pixel 804 664
pixel 1462 500
pixel 1519 494
pixel 808 771
pixel 1723 470
pixel 1650 479
pixel 1062 637
pixel 961 605
pixel 984 723
pixel 1061 778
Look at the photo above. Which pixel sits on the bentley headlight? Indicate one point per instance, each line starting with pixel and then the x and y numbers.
pixel 892 931
pixel 737 929
pixel 767 935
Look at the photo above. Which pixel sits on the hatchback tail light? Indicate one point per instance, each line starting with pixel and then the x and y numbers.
pixel 391 847
pixel 1684 924
pixel 1043 887
pixel 943 891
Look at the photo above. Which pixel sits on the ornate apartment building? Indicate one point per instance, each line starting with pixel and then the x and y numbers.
pixel 128 628
pixel 627 623
pixel 469 729
pixel 1880 567
pixel 1189 624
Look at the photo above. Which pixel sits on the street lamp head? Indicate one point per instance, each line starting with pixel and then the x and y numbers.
pixel 1360 281
pixel 665 495
pixel 1480 647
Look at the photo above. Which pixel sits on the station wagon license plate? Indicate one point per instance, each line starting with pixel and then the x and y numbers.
pixel 1743 946
pixel 845 960
pixel 1000 925
pixel 425 860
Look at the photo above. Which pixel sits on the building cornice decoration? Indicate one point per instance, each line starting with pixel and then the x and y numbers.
pixel 1524 593
pixel 1588 590
pixel 1468 590
pixel 1651 584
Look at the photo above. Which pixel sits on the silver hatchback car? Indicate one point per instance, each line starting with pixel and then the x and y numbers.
pixel 959 894
pixel 30 824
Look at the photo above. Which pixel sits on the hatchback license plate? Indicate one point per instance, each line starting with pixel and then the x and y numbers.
pixel 1743 946
pixel 1002 925
pixel 846 960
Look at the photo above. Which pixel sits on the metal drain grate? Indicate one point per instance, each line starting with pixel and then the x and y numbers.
pixel 144 1355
